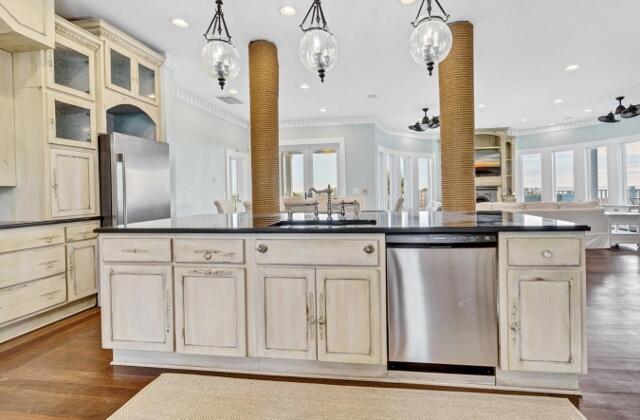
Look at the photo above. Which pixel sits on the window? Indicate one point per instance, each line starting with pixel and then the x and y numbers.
pixel 424 183
pixel 532 177
pixel 564 182
pixel 407 176
pixel 311 165
pixel 632 173
pixel 598 177
pixel 238 178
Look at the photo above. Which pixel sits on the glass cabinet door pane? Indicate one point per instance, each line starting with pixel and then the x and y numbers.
pixel 71 69
pixel 73 122
pixel 147 82
pixel 120 70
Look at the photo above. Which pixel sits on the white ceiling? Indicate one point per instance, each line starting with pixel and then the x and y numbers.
pixel 521 51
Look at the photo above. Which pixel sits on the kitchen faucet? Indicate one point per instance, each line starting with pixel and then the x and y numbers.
pixel 327 191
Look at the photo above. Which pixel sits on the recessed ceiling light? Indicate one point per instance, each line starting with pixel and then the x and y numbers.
pixel 407 1
pixel 180 23
pixel 572 67
pixel 233 91
pixel 305 86
pixel 551 124
pixel 323 109
pixel 287 11
pixel 373 96
pixel 558 101
pixel 524 120
pixel 481 106
pixel 588 110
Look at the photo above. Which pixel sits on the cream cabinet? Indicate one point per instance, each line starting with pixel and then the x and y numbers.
pixel 285 313
pixel 137 307
pixel 7 134
pixel 55 116
pixel 348 316
pixel 130 74
pixel 129 79
pixel 210 308
pixel 71 121
pixel 330 315
pixel 82 278
pixel 26 25
pixel 73 183
pixel 542 303
pixel 545 321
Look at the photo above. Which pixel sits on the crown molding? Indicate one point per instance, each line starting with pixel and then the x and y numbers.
pixel 206 106
pixel 326 122
pixel 555 128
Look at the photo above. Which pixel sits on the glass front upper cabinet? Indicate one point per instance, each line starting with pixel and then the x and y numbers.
pixel 72 69
pixel 72 121
pixel 120 70
pixel 146 82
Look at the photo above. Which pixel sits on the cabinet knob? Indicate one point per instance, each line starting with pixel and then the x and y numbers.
pixel 547 254
pixel 208 255
pixel 369 249
pixel 262 248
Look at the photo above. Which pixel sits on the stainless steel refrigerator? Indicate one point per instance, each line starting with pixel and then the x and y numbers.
pixel 135 179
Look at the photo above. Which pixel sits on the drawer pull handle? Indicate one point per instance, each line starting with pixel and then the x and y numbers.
pixel 262 248
pixel 135 251
pixel 208 254
pixel 49 239
pixel 49 264
pixel 547 254
pixel 212 273
pixel 50 295
pixel 369 249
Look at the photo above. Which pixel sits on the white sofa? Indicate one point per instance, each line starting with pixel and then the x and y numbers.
pixel 584 213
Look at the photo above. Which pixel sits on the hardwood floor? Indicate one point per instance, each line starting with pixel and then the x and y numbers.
pixel 612 387
pixel 62 372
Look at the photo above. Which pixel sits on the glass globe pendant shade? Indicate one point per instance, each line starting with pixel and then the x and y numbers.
pixel 318 51
pixel 221 60
pixel 430 42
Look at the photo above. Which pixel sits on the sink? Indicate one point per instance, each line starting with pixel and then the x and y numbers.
pixel 336 222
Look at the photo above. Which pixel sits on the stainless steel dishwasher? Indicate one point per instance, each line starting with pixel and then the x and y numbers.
pixel 442 312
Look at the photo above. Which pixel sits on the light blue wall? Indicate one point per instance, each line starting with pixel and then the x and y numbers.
pixel 593 133
pixel 199 141
pixel 361 144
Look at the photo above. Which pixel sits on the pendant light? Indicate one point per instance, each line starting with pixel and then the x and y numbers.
pixel 220 57
pixel 318 48
pixel 431 40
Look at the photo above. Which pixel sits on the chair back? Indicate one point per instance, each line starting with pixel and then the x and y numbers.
pixel 224 206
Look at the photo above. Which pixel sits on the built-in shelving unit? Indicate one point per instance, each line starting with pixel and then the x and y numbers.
pixel 494 151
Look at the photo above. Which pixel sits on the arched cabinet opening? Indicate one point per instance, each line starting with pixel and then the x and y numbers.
pixel 131 120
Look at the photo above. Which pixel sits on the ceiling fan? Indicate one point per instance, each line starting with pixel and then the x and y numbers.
pixel 431 123
pixel 629 112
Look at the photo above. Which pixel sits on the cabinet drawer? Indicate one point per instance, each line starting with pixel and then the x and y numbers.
pixel 136 250
pixel 81 232
pixel 22 266
pixel 317 252
pixel 27 298
pixel 209 251
pixel 25 238
pixel 552 251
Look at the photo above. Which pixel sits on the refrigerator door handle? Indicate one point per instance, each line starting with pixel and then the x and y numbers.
pixel 121 159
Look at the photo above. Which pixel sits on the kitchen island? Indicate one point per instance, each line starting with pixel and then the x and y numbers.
pixel 265 295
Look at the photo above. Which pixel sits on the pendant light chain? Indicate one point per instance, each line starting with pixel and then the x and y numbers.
pixel 218 24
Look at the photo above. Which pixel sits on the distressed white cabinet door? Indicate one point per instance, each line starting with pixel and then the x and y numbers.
pixel 81 269
pixel 545 321
pixel 210 311
pixel 349 316
pixel 285 313
pixel 137 307
pixel 73 183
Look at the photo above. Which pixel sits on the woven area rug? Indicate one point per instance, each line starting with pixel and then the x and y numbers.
pixel 174 396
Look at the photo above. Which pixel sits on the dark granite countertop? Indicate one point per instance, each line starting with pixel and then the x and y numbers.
pixel 406 222
pixel 23 224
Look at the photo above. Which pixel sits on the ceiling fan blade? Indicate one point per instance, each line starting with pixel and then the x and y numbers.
pixel 609 118
pixel 631 112
pixel 435 123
